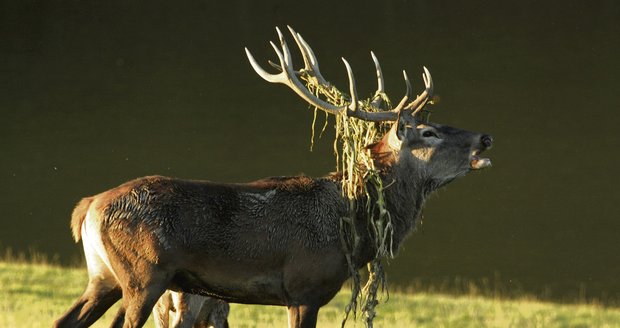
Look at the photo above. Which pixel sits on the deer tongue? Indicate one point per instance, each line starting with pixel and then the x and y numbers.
pixel 477 163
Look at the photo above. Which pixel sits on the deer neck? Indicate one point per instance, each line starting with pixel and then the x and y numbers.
pixel 405 192
pixel 404 197
pixel 405 185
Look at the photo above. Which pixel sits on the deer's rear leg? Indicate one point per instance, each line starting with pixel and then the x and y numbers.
pixel 102 291
pixel 99 296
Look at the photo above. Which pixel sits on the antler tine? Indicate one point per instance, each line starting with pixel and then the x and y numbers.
pixel 353 90
pixel 419 103
pixel 428 81
pixel 288 62
pixel 307 62
pixel 276 66
pixel 376 102
pixel 403 101
pixel 311 64
pixel 259 70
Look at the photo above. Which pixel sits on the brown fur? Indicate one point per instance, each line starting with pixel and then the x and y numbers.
pixel 78 216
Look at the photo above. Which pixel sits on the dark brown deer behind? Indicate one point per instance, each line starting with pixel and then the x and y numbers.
pixel 274 241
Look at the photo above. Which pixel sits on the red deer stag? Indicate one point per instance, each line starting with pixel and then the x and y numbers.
pixel 275 241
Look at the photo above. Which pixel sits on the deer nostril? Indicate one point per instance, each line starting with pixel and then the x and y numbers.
pixel 486 140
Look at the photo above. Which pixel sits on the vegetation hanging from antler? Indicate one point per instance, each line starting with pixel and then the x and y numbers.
pixel 358 171
pixel 359 123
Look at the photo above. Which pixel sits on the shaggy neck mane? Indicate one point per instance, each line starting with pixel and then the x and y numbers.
pixel 405 189
pixel 405 192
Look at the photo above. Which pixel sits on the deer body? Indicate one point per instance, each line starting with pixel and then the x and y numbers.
pixel 274 241
pixel 241 243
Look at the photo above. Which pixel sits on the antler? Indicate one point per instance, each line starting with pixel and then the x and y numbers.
pixel 419 103
pixel 355 108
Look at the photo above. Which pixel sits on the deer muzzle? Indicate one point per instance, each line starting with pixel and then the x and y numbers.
pixel 477 163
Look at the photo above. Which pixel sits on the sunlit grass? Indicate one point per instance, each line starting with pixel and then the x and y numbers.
pixel 35 294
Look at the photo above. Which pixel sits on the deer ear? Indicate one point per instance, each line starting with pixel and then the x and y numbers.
pixel 406 126
pixel 401 127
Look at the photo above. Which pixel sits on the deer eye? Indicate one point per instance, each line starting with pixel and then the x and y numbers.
pixel 428 134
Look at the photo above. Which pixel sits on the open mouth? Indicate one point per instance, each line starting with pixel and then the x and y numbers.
pixel 478 163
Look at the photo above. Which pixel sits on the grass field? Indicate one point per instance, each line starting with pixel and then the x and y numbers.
pixel 34 295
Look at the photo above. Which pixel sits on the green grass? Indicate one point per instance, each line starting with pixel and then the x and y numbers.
pixel 34 295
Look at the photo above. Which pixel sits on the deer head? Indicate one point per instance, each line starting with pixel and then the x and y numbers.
pixel 436 152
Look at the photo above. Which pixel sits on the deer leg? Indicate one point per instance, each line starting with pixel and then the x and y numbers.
pixel 216 313
pixel 161 311
pixel 119 317
pixel 302 316
pixel 102 291
pixel 188 308
pixel 98 297
pixel 139 302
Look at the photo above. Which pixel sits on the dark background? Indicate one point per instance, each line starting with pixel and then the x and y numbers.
pixel 93 94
